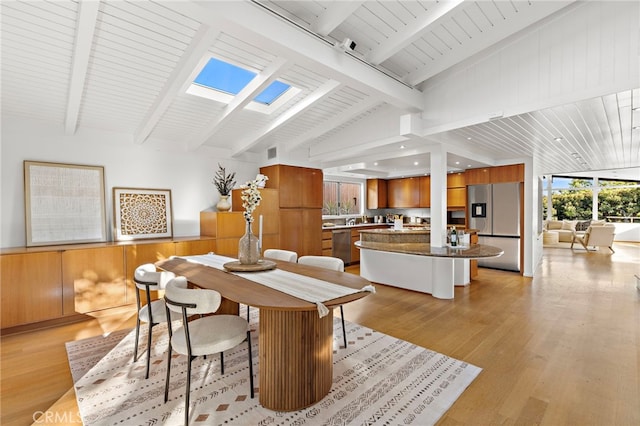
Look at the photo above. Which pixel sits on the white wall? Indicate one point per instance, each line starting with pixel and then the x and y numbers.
pixel 188 175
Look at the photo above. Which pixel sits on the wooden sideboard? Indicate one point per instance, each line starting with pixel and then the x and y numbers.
pixel 61 283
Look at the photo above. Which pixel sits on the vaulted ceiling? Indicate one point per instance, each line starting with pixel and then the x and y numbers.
pixel 125 66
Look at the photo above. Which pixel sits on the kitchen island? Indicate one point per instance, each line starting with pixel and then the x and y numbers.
pixel 401 258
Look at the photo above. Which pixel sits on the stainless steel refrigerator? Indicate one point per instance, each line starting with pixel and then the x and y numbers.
pixel 494 210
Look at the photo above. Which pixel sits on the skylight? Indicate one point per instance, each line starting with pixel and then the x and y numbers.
pixel 231 79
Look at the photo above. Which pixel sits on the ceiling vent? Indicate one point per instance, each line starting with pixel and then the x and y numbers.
pixel 272 153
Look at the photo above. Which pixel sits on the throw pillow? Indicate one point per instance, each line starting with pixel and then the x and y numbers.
pixel 582 225
pixel 554 224
pixel 569 225
pixel 598 222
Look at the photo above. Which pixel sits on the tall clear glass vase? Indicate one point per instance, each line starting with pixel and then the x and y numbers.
pixel 248 252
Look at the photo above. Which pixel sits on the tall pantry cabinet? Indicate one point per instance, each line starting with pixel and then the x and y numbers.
pixel 300 192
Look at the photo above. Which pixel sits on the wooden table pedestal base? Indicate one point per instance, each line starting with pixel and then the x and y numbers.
pixel 296 358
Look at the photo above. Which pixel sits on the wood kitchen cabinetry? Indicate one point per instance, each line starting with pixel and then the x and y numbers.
pixel 355 251
pixel 327 243
pixel 58 283
pixel 456 191
pixel 376 193
pixel 403 193
pixel 300 207
pixel 424 183
pixel 498 174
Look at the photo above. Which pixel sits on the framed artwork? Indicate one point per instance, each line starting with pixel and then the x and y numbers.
pixel 142 213
pixel 64 203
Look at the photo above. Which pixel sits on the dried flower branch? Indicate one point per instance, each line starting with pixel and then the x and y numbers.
pixel 223 182
pixel 251 196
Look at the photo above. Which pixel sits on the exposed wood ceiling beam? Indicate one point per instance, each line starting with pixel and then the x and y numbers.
pixel 412 32
pixel 334 15
pixel 87 19
pixel 324 90
pixel 180 79
pixel 246 95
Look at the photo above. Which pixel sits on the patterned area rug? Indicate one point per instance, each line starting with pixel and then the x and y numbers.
pixel 378 379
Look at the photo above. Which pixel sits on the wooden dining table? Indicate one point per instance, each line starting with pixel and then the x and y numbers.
pixel 295 343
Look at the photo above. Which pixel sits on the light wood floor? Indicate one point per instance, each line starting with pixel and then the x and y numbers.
pixel 560 349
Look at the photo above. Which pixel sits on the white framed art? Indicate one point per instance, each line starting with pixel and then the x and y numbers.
pixel 64 203
pixel 142 213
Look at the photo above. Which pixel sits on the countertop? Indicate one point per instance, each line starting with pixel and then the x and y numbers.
pixel 474 251
pixel 370 225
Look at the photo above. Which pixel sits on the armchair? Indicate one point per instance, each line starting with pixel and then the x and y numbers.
pixel 596 236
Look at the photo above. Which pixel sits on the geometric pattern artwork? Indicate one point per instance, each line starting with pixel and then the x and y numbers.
pixel 142 213
pixel 377 379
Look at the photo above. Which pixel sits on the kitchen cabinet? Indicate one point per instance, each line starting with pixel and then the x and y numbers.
pixel 505 174
pixel 424 183
pixel 300 192
pixel 355 252
pixel 498 174
pixel 456 191
pixel 456 180
pixel 302 232
pixel 376 193
pixel 31 287
pixel 403 193
pixel 327 243
pixel 299 187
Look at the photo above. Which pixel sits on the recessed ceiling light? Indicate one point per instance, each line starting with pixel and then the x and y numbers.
pixel 415 163
pixel 401 146
pixel 457 162
pixel 375 164
pixel 468 165
pixel 558 139
pixel 636 127
pixel 469 139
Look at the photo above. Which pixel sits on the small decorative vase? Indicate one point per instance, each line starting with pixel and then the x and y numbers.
pixel 223 205
pixel 248 253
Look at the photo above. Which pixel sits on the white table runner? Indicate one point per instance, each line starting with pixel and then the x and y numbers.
pixel 306 288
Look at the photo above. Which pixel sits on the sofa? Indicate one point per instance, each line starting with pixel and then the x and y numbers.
pixel 566 229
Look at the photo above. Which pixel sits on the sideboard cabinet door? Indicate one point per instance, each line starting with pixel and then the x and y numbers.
pixel 93 279
pixel 31 287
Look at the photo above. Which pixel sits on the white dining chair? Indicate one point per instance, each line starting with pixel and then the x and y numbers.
pixel 279 254
pixel 206 335
pixel 152 312
pixel 335 264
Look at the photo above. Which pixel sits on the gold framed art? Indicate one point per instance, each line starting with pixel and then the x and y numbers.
pixel 64 203
pixel 142 213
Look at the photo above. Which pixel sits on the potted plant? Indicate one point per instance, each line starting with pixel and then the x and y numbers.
pixel 224 183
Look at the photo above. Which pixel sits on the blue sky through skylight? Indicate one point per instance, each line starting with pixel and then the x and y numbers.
pixel 228 78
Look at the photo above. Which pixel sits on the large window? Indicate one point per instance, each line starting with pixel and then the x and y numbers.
pixel 342 198
pixel 573 199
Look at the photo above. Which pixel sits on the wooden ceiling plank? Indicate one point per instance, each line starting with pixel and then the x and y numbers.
pixel 179 80
pixel 333 16
pixel 413 31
